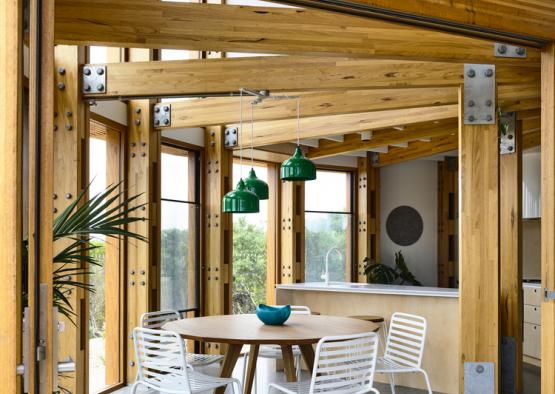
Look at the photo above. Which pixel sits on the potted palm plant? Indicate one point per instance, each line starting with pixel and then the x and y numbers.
pixel 377 272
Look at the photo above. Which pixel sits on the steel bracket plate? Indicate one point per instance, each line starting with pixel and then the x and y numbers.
pixel 374 158
pixel 162 115
pixel 506 50
pixel 507 138
pixel 479 94
pixel 548 295
pixel 479 378
pixel 231 137
pixel 94 79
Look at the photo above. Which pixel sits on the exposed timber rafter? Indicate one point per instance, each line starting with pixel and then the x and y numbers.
pixel 418 150
pixel 228 28
pixel 501 19
pixel 274 132
pixel 384 137
pixel 286 73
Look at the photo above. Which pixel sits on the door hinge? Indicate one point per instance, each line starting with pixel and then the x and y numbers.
pixel 548 295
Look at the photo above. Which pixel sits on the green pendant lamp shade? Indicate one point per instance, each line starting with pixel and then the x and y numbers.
pixel 257 186
pixel 298 168
pixel 241 200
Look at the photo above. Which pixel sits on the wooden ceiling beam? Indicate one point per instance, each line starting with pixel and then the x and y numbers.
pixel 384 137
pixel 418 150
pixel 229 28
pixel 278 131
pixel 225 110
pixel 286 73
pixel 517 21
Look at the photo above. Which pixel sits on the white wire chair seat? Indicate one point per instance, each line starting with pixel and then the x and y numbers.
pixel 162 365
pixel 274 351
pixel 404 348
pixel 155 320
pixel 343 365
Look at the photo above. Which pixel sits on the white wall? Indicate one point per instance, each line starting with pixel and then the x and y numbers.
pixel 414 184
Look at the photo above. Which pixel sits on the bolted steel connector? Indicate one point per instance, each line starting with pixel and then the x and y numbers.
pixel 471 73
pixel 100 71
pixel 471 118
pixel 87 71
pixel 61 71
pixel 489 73
pixel 502 48
pixel 87 87
pixel 489 103
pixel 489 118
pixel 100 87
pixel 520 51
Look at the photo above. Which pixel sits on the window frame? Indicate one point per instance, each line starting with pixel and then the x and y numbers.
pixel 350 265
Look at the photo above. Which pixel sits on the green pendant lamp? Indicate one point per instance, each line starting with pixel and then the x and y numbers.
pixel 298 167
pixel 241 200
pixel 252 182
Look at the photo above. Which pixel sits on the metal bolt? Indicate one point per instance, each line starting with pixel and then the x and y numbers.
pixel 471 73
pixel 55 114
pixel 480 368
pixel 143 272
pixel 54 210
pixel 54 196
pixel 133 272
pixel 132 154
pixel 69 113
pixel 212 143
pixel 68 196
pixel 143 143
pixel 133 144
pixel 132 283
pixel 69 127
pixel 157 122
pixel 61 86
pixel 510 137
pixel 502 48
pixel 166 108
pixel 234 131
pixel 100 71
pixel 87 71
pixel 520 51
pixel 61 71
pixel 489 73
pixel 55 127
pixel 166 122
pixel 510 148
pixel 137 110
pixel 471 103
pixel 157 109
pixel 213 133
pixel 471 118
pixel 234 142
pixel 132 363
pixel 137 122
pixel 143 208
pixel 489 118
pixel 143 283
pixel 100 87
pixel 489 103
pixel 87 87
pixel 143 154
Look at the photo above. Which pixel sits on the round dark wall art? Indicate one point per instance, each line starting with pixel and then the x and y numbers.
pixel 404 225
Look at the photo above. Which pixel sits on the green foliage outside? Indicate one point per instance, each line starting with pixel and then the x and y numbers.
pixel 175 269
pixel 323 232
pixel 249 265
pixel 97 306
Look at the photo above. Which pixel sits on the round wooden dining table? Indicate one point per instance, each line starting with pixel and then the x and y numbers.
pixel 239 330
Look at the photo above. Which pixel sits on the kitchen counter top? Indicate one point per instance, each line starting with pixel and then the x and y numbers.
pixel 535 285
pixel 346 287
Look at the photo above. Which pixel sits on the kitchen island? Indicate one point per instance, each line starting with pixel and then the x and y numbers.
pixel 440 306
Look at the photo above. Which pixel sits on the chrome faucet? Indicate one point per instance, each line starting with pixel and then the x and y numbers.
pixel 326 275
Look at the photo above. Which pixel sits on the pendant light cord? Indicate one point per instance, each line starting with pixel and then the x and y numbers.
pixel 252 134
pixel 298 122
pixel 241 133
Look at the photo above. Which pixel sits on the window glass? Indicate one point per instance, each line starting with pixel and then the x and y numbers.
pixel 328 226
pixel 249 249
pixel 175 174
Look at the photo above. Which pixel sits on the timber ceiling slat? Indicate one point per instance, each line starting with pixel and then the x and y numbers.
pixel 287 73
pixel 229 28
pixel 482 17
pixel 419 149
pixel 273 132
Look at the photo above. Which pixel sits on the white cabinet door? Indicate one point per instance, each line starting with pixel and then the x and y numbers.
pixel 531 185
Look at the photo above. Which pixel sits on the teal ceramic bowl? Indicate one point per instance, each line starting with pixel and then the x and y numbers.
pixel 273 315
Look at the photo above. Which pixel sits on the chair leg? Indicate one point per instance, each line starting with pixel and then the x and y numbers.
pixel 299 365
pixel 392 383
pixel 427 381
pixel 244 369
pixel 134 387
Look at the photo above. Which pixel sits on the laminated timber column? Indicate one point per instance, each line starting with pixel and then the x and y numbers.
pixel 447 210
pixel 292 232
pixel 143 176
pixel 41 169
pixel 273 265
pixel 510 245
pixel 11 132
pixel 217 267
pixel 548 216
pixel 368 215
pixel 479 245
pixel 70 179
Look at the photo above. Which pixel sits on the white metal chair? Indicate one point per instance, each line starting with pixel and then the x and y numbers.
pixel 274 352
pixel 343 364
pixel 162 365
pixel 404 348
pixel 155 320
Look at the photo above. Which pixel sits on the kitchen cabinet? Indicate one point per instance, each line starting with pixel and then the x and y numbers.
pixel 532 323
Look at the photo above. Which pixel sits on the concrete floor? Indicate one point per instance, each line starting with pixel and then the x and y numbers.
pixel 267 373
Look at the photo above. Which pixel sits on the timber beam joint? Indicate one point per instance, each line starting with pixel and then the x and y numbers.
pixel 94 79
